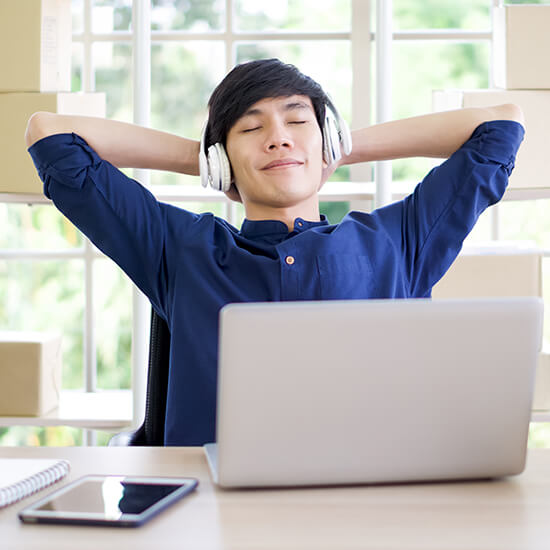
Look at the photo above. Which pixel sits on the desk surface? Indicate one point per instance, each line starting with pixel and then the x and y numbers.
pixel 505 514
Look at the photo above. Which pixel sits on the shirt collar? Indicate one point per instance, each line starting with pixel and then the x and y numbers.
pixel 252 229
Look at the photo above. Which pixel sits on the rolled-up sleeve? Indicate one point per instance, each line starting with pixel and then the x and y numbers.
pixel 120 216
pixel 436 218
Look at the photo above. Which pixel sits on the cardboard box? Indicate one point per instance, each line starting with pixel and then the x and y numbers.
pixel 520 47
pixel 18 172
pixel 492 271
pixel 35 46
pixel 30 373
pixel 532 170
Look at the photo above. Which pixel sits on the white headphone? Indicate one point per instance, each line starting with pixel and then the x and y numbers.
pixel 215 168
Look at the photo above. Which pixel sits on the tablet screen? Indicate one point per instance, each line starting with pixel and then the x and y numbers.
pixel 109 499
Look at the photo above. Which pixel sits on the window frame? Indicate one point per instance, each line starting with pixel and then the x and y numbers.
pixel 362 192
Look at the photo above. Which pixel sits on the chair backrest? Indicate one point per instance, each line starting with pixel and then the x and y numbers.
pixel 151 432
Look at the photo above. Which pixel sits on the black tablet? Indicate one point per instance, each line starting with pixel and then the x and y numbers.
pixel 118 501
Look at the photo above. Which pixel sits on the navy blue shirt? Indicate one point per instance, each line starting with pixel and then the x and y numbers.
pixel 191 265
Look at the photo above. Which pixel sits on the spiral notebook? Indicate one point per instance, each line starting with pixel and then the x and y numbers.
pixel 21 477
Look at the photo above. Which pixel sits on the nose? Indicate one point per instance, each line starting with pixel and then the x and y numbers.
pixel 278 138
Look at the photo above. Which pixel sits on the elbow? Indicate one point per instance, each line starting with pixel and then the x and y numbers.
pixel 509 111
pixel 515 113
pixel 38 127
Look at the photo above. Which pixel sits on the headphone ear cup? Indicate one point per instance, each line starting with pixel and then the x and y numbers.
pixel 331 139
pixel 203 167
pixel 345 135
pixel 219 167
pixel 203 161
pixel 225 168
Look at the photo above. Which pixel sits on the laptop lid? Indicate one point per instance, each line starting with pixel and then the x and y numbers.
pixel 337 392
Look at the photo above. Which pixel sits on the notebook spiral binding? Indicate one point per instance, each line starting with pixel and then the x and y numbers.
pixel 26 487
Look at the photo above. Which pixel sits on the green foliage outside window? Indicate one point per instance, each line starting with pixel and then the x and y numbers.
pixel 50 294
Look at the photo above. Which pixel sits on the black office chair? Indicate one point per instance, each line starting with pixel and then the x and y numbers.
pixel 151 432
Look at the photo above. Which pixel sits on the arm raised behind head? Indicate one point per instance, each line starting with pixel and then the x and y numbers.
pixel 123 145
pixel 436 135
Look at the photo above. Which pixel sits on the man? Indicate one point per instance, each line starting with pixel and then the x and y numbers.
pixel 268 117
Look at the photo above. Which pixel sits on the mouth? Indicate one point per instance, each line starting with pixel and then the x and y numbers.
pixel 282 163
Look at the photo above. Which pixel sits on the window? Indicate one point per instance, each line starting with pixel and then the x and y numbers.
pixel 50 275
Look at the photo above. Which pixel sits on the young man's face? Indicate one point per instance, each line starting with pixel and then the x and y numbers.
pixel 275 150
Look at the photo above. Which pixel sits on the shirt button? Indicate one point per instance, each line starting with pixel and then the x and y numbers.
pixel 289 260
pixel 300 224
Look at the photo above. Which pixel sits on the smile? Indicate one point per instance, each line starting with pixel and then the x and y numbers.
pixel 282 163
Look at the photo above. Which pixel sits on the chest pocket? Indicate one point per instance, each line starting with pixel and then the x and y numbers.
pixel 345 277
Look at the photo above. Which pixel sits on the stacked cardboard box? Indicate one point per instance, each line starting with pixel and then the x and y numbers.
pixel 30 373
pixel 35 75
pixel 35 56
pixel 521 76
pixel 500 270
pixel 493 270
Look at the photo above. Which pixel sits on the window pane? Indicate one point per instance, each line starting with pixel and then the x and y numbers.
pixel 38 226
pixel 77 59
pixel 481 233
pixel 329 63
pixel 293 15
pixel 188 15
pixel 421 67
pixel 77 10
pixel 441 14
pixel 113 325
pixel 239 214
pixel 526 221
pixel 46 296
pixel 111 15
pixel 182 78
pixel 54 436
pixel 527 1
pixel 546 297
pixel 113 75
pixel 334 211
pixel 539 435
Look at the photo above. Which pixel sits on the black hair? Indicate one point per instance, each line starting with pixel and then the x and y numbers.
pixel 251 82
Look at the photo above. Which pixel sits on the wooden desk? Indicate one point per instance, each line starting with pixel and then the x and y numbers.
pixel 505 514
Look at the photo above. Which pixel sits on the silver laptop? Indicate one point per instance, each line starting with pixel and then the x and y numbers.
pixel 374 391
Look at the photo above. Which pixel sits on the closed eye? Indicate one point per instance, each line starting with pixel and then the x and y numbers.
pixel 247 130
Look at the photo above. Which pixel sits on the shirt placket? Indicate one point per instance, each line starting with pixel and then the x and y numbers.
pixel 289 263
